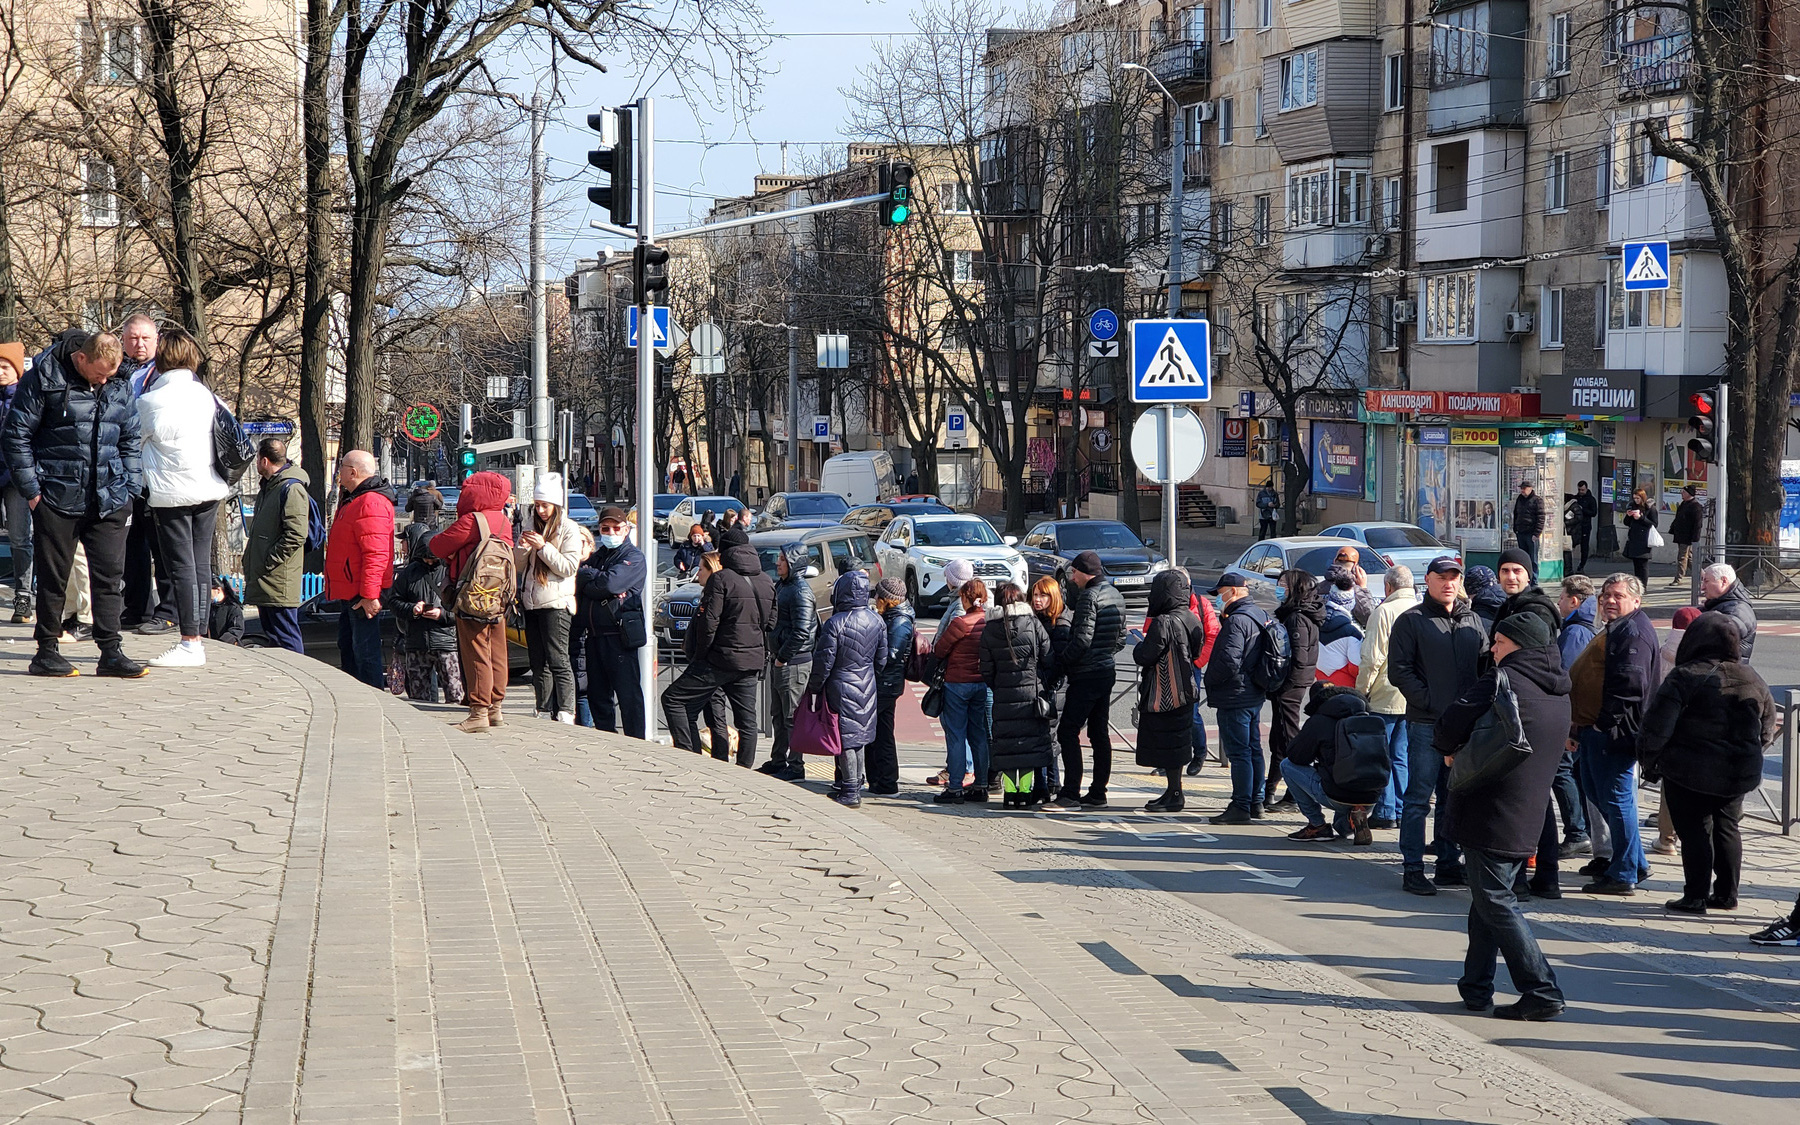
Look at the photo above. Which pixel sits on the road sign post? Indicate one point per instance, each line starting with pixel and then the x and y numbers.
pixel 1171 363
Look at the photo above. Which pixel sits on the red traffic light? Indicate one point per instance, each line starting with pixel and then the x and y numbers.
pixel 1701 401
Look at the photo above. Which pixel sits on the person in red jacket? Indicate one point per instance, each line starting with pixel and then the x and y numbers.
pixel 1209 621
pixel 966 696
pixel 480 644
pixel 359 563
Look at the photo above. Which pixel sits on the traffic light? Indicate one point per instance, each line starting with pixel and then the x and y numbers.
pixel 465 462
pixel 649 272
pixel 894 182
pixel 613 158
pixel 1705 424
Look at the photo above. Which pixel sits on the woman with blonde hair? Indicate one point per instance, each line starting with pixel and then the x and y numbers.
pixel 548 555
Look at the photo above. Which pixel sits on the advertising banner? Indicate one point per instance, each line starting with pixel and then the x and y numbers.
pixel 1337 458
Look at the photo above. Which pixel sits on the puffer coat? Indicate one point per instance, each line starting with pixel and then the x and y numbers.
pixel 74 444
pixel 175 419
pixel 1713 716
pixel 796 627
pixel 1165 739
pixel 1014 648
pixel 1733 604
pixel 736 607
pixel 901 626
pixel 851 653
pixel 1303 614
pixel 1096 631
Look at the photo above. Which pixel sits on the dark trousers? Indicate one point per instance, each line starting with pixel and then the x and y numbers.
pixel 690 694
pixel 787 683
pixel 612 671
pixel 281 626
pixel 1549 854
pixel 1529 544
pixel 1089 704
pixel 1497 929
pixel 1640 566
pixel 1265 527
pixel 146 599
pixel 104 539
pixel 359 647
pixel 882 761
pixel 1285 716
pixel 1711 849
pixel 1568 799
pixel 1578 541
pixel 18 533
pixel 185 535
pixel 552 674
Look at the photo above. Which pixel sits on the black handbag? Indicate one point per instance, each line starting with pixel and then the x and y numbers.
pixel 1496 745
pixel 232 449
pixel 932 702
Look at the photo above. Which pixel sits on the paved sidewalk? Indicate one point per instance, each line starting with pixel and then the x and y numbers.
pixel 262 892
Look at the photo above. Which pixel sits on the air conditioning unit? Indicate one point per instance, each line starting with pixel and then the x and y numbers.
pixel 1547 89
pixel 1206 262
pixel 1206 111
pixel 1406 312
pixel 1518 323
pixel 1376 246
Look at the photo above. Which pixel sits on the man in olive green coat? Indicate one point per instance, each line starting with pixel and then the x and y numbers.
pixel 275 548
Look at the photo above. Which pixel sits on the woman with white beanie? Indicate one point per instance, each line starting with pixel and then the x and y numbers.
pixel 176 418
pixel 549 553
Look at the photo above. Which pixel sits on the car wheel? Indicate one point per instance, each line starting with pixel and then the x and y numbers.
pixel 912 589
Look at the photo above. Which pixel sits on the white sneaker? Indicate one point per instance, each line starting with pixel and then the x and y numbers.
pixel 181 657
pixel 566 717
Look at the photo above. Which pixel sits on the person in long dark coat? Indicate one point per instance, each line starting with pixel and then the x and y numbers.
pixel 1165 739
pixel 1302 612
pixel 1014 651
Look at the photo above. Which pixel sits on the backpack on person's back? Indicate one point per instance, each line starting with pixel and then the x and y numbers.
pixel 485 589
pixel 1360 765
pixel 1272 656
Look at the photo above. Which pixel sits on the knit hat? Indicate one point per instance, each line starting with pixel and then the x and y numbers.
pixel 1685 617
pixel 891 588
pixel 1088 563
pixel 1527 630
pixel 1514 555
pixel 733 537
pixel 958 571
pixel 14 353
pixel 550 489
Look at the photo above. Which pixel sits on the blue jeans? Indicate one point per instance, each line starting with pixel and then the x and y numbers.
pixel 1425 779
pixel 1611 783
pixel 1388 806
pixel 1199 721
pixel 1240 733
pixel 965 722
pixel 1309 794
pixel 282 627
pixel 1497 929
pixel 359 647
pixel 1568 799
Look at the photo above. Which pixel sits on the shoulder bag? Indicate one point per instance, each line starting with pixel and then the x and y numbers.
pixel 1496 745
pixel 816 728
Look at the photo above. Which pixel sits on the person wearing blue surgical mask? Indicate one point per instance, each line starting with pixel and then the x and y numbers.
pixel 609 600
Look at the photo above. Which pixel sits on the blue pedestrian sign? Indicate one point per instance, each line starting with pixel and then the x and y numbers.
pixel 1104 324
pixel 659 316
pixel 1171 361
pixel 1646 266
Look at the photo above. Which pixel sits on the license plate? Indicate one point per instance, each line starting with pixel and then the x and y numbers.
pixel 680 624
pixel 1128 581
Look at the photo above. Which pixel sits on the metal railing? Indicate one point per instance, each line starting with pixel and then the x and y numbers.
pixel 1788 785
pixel 1659 64
pixel 1761 571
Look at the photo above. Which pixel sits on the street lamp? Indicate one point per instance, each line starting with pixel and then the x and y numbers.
pixel 1177 142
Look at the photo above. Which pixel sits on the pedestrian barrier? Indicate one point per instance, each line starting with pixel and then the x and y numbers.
pixel 1789 785
pixel 1761 571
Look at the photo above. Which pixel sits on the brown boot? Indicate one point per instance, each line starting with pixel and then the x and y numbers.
pixel 476 722
pixel 493 716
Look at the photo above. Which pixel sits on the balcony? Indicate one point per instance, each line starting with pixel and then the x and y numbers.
pixel 1180 63
pixel 1325 247
pixel 1018 281
pixel 1661 64
pixel 1196 169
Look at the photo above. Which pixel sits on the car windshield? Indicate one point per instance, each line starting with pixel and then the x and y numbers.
pixel 667 501
pixel 580 503
pixel 820 504
pixel 1318 560
pixel 957 533
pixel 450 495
pixel 1387 538
pixel 921 509
pixel 1095 537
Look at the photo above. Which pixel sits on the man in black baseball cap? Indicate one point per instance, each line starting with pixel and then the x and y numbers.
pixel 1236 697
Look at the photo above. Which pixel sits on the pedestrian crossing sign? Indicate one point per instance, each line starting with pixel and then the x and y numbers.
pixel 1171 361
pixel 1646 265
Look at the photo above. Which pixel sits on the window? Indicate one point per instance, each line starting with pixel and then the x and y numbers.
pixel 110 53
pixel 1384 324
pixel 1450 177
pixel 1149 220
pixel 1459 47
pixel 1550 319
pixel 1227 111
pixel 100 316
pixel 1390 203
pixel 953 199
pixel 1265 14
pixel 1634 165
pixel 1259 226
pixel 1299 80
pixel 1449 306
pixel 1393 92
pixel 1323 196
pixel 1556 182
pixel 1192 22
pixel 1556 44
pixel 1309 199
pixel 99 193
pixel 1603 178
pixel 1352 197
pixel 1653 308
pixel 1224 224
pixel 1600 318
pixel 1227 24
pixel 959 265
pixel 1262 124
pixel 1293 312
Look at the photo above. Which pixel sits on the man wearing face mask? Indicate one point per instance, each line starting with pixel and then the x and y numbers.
pixel 608 584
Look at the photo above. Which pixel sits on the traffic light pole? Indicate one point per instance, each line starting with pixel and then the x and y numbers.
pixel 1716 478
pixel 647 476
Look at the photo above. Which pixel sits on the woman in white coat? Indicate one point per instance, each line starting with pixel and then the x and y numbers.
pixel 549 553
pixel 176 417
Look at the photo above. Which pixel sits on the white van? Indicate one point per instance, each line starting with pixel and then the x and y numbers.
pixel 860 478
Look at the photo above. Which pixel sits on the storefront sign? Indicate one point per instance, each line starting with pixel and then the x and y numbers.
pixel 1234 440
pixel 1520 438
pixel 1337 458
pixel 1593 394
pixel 1404 402
pixel 1317 404
pixel 1460 435
pixel 1500 405
pixel 1434 435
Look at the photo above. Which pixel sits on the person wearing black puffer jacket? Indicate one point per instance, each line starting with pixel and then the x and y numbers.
pixel 883 765
pixel 1722 593
pixel 791 641
pixel 1014 650
pixel 1499 824
pixel 846 667
pixel 729 649
pixel 1175 637
pixel 1096 634
pixel 1302 612
pixel 1705 733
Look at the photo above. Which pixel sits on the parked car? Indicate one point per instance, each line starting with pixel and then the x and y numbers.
pixel 917 548
pixel 873 519
pixel 693 509
pixel 1265 561
pixel 865 477
pixel 1399 544
pixel 583 512
pixel 1130 563
pixel 831 551
pixel 802 509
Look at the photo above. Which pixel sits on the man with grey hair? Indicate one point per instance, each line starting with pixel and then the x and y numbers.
pixel 1384 698
pixel 359 563
pixel 1607 751
pixel 1721 593
pixel 149 584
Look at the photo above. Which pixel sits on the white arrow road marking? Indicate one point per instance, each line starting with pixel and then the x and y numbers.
pixel 1258 875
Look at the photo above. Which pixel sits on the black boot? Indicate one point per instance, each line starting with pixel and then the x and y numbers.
pixel 114 663
pixel 49 662
pixel 1171 800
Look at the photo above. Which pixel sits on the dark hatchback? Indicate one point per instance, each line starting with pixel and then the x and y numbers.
pixel 872 519
pixel 1130 563
pixel 802 509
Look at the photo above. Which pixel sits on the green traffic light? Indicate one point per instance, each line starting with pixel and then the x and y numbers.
pixel 899 205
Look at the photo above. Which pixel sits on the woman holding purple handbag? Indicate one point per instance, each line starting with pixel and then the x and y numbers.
pixel 852 647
